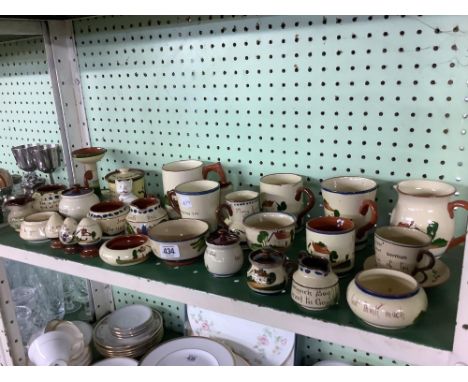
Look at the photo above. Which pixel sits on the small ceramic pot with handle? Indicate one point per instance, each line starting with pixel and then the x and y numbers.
pixel 314 286
pixel 135 177
pixel 269 271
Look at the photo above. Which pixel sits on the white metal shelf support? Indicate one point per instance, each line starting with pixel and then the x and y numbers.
pixel 62 60
pixel 11 346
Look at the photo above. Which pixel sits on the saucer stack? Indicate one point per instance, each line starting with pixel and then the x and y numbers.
pixel 128 332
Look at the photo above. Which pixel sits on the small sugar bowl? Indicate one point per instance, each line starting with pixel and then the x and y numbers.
pixel 223 254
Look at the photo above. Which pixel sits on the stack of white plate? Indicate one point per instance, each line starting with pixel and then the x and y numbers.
pixel 191 351
pixel 128 332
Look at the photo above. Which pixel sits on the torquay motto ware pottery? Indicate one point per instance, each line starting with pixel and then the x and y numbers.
pixel 47 198
pixel 314 285
pixel 332 238
pixel 183 171
pixel 135 175
pixel 403 249
pixel 223 254
pixel 283 193
pixel 426 205
pixel 33 227
pixel 18 209
pixel 269 271
pixel 110 215
pixel 52 230
pixel 238 205
pixel 89 156
pixel 352 197
pixel 125 250
pixel 67 236
pixel 144 214
pixel 89 234
pixel 75 202
pixel 179 242
pixel 386 298
pixel 270 229
pixel 198 199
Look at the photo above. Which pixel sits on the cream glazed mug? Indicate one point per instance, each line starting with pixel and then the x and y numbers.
pixel 282 192
pixel 183 171
pixel 352 197
pixel 198 199
pixel 238 205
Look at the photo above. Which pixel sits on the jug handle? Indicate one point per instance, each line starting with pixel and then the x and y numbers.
pixel 219 214
pixel 217 168
pixel 451 209
pixel 171 196
pixel 310 202
pixel 366 205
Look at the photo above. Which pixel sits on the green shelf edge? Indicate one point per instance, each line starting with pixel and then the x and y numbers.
pixel 435 328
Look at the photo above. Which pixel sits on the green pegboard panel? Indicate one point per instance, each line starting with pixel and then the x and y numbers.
pixel 27 111
pixel 377 96
pixel 310 351
pixel 173 312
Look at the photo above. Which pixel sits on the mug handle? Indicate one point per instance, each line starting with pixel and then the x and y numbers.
pixel 290 267
pixel 171 196
pixel 451 209
pixel 219 214
pixel 217 168
pixel 425 268
pixel 309 205
pixel 365 206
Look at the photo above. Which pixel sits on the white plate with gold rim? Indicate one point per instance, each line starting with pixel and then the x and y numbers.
pixel 257 343
pixel 438 275
pixel 190 351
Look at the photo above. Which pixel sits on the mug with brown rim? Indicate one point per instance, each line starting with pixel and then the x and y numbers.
pixel 332 238
pixel 282 192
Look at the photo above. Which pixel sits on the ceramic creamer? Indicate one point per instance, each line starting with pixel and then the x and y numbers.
pixel 427 206
pixel 223 254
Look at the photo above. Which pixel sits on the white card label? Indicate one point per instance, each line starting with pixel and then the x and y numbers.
pixel 170 251
pixel 185 201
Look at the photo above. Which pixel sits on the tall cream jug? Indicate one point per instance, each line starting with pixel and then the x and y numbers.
pixel 426 205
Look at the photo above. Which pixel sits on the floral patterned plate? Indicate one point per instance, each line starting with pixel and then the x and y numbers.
pixel 257 343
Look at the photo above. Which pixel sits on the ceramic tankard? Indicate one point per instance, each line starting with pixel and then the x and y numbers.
pixel 183 171
pixel 283 193
pixel 426 205
pixel 238 205
pixel 198 199
pixel 352 197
